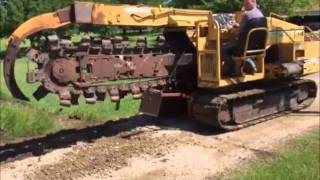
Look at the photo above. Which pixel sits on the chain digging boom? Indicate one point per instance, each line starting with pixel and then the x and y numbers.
pixel 71 70
pixel 89 67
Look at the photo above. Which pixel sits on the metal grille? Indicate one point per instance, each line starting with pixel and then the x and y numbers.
pixel 207 65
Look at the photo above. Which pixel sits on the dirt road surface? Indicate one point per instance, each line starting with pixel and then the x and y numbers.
pixel 164 149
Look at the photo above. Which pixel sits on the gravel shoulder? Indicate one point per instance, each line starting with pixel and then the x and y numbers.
pixel 172 149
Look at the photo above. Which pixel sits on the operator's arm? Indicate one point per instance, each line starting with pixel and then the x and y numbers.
pixel 240 18
pixel 235 29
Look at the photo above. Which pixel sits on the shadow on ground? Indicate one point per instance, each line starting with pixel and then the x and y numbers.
pixel 66 138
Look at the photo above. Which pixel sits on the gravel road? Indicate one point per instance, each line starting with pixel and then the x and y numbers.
pixel 166 149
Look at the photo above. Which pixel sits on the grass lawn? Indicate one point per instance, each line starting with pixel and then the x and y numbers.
pixel 21 119
pixel 3 44
pixel 299 159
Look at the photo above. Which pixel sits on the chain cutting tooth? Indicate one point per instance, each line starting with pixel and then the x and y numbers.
pixel 76 92
pixel 124 89
pixel 65 102
pixel 54 46
pixel 54 41
pixel 95 48
pixel 141 45
pixel 144 86
pixel 36 75
pixel 101 93
pixel 128 48
pixel 153 84
pixel 107 46
pixel 96 40
pixel 162 82
pixel 75 95
pixel 142 41
pixel 114 94
pixel 118 46
pixel 161 45
pixel 66 43
pixel 85 43
pixel 65 98
pixel 161 40
pixel 91 100
pixel 35 56
pixel 75 99
pixel 125 41
pixel 90 96
pixel 68 46
pixel 40 93
pixel 135 90
pixel 33 77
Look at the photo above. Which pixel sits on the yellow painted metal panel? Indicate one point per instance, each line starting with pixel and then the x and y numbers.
pixel 312 49
pixel 311 66
pixel 129 15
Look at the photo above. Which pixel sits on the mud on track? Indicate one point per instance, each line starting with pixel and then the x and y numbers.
pixel 145 148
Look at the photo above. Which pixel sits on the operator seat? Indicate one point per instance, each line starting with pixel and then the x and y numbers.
pixel 250 49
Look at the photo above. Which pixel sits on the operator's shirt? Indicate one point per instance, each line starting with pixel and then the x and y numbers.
pixel 254 13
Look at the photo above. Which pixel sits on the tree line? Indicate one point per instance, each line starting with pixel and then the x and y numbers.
pixel 15 12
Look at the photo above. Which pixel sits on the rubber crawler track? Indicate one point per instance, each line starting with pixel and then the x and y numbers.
pixel 215 109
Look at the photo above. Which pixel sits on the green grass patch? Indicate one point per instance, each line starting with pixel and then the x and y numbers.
pixel 3 44
pixel 299 159
pixel 18 120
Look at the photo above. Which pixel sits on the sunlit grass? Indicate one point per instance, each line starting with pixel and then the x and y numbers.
pixel 21 119
pixel 298 160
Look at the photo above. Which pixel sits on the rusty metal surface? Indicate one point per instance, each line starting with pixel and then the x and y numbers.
pixel 151 103
pixel 83 12
pixel 64 70
pixel 9 74
pixel 159 103
pixel 65 14
pixel 76 67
